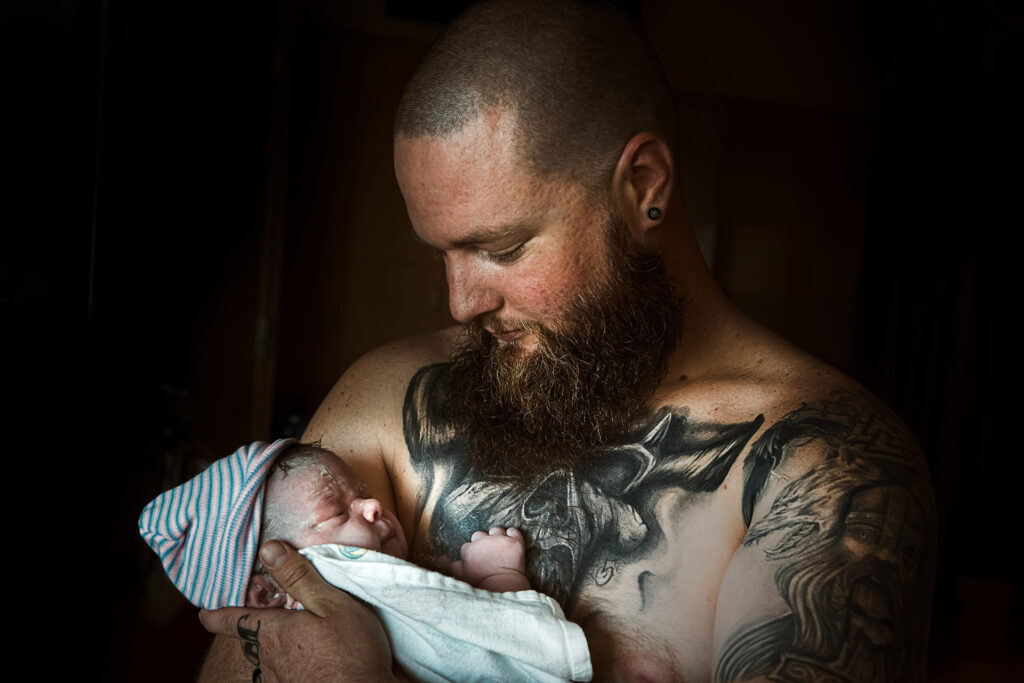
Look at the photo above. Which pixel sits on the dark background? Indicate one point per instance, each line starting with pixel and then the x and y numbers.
pixel 201 230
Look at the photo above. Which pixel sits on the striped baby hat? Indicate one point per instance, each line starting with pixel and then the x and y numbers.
pixel 206 531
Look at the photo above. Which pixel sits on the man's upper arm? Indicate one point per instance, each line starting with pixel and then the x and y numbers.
pixel 833 578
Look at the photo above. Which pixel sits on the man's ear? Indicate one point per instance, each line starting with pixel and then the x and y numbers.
pixel 262 592
pixel 643 181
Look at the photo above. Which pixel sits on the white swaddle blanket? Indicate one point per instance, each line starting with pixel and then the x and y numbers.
pixel 442 629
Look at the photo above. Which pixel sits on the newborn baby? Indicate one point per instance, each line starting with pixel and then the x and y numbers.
pixel 313 498
pixel 207 533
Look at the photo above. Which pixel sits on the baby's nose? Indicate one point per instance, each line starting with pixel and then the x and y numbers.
pixel 369 509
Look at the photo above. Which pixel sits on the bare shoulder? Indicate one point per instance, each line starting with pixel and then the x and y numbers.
pixel 818 420
pixel 833 575
pixel 840 437
pixel 360 419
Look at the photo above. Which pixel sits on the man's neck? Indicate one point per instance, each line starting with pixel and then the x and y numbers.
pixel 711 321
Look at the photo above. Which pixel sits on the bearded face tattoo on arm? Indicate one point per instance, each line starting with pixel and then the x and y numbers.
pixel 852 540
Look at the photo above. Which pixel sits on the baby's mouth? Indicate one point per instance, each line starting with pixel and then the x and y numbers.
pixel 391 542
pixel 388 531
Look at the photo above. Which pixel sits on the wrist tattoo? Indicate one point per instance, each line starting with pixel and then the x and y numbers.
pixel 251 646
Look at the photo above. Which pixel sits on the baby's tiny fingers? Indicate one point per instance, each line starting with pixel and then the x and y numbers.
pixel 477 535
pixel 497 531
pixel 514 532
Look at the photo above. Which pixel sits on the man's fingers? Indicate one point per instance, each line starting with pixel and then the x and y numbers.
pixel 226 621
pixel 297 577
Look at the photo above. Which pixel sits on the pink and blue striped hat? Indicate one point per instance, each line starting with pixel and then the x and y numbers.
pixel 207 531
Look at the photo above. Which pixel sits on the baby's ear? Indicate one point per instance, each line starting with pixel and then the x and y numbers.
pixel 263 593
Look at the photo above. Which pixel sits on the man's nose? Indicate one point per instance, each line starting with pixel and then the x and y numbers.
pixel 470 292
pixel 369 509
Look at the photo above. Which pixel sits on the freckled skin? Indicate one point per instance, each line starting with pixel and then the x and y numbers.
pixel 470 185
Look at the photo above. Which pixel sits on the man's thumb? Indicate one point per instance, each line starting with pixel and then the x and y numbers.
pixel 295 575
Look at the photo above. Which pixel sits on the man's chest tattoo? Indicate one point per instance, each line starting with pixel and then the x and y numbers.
pixel 582 524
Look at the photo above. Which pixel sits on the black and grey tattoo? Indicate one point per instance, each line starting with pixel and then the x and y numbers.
pixel 251 646
pixel 582 524
pixel 852 540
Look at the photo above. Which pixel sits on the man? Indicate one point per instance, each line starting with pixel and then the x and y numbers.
pixel 705 500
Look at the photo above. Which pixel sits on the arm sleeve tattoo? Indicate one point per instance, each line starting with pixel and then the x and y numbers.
pixel 851 540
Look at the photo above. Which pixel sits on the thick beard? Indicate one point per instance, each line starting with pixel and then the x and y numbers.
pixel 526 414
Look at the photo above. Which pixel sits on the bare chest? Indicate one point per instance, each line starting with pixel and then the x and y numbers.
pixel 633 541
pixel 639 574
pixel 652 618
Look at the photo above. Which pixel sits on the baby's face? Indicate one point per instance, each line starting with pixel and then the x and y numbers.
pixel 327 504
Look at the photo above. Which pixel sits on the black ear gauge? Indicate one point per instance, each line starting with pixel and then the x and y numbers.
pixel 654 213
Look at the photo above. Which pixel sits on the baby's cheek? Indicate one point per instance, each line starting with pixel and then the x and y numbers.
pixel 318 535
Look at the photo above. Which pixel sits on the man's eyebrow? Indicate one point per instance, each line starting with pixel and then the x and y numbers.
pixel 483 235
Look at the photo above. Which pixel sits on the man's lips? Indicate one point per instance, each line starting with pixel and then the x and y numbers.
pixel 506 336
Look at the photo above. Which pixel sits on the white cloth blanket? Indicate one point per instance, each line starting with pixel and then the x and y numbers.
pixel 443 629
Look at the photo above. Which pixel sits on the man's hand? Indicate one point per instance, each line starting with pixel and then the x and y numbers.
pixel 494 561
pixel 335 638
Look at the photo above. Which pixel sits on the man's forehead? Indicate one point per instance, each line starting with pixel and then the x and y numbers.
pixel 471 186
pixel 488 143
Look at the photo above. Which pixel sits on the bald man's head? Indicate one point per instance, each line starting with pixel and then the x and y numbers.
pixel 578 76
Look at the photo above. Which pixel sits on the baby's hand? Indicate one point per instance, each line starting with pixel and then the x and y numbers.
pixel 495 561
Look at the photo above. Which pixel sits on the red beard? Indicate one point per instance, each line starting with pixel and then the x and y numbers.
pixel 526 414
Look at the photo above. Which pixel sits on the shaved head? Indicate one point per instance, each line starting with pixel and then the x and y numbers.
pixel 578 77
